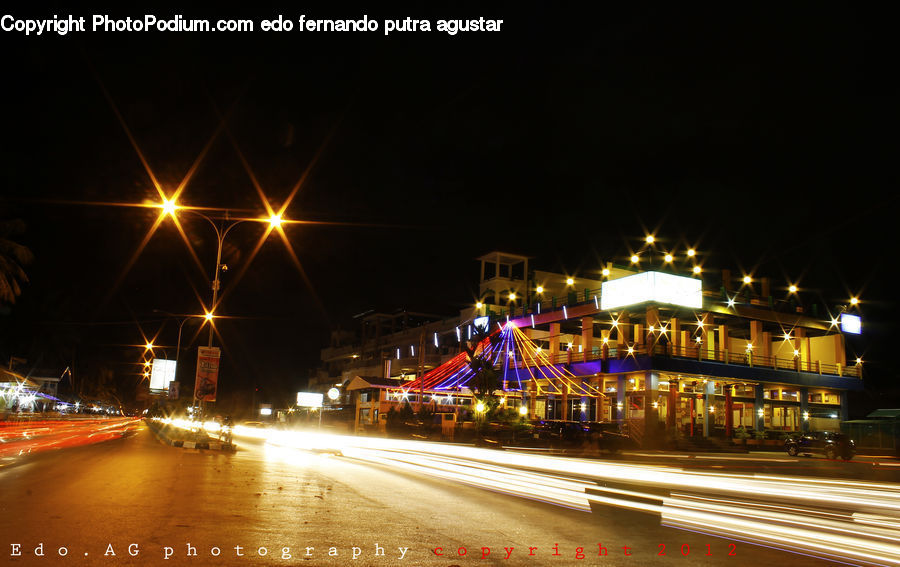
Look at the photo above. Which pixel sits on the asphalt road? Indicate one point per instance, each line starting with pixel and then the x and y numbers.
pixel 99 504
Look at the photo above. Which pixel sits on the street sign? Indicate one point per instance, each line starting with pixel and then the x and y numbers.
pixel 207 374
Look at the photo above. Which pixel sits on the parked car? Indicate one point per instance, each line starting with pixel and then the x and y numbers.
pixel 608 436
pixel 828 443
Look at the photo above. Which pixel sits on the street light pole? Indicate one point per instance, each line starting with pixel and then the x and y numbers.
pixel 222 229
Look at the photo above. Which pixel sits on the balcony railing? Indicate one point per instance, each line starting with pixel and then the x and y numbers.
pixel 700 353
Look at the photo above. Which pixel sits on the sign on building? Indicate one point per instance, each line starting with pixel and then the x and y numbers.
pixel 658 287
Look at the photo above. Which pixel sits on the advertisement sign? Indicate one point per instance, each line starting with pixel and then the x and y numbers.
pixel 207 374
pixel 658 287
pixel 173 390
pixel 162 372
pixel 851 323
pixel 309 400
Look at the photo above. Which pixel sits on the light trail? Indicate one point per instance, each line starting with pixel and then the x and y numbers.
pixel 20 438
pixel 839 520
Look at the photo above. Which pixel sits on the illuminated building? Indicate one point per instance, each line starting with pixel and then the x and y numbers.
pixel 699 355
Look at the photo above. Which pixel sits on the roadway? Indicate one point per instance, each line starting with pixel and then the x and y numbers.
pixel 134 495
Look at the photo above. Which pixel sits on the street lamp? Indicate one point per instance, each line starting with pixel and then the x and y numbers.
pixel 222 228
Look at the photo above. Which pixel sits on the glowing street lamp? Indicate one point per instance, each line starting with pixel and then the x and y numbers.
pixel 275 220
pixel 169 207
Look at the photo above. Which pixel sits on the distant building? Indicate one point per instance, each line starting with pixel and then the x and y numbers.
pixel 671 353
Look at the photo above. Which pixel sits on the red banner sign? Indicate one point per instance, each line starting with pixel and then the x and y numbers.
pixel 207 374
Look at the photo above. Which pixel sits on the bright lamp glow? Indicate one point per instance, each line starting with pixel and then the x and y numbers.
pixel 512 296
pixel 634 258
pixel 523 410
pixel 668 258
pixel 748 279
pixel 208 316
pixel 148 346
pixel 792 288
pixel 691 252
pixel 570 281
pixel 650 239
pixel 275 220
pixel 479 407
pixel 854 301
pixel 168 207
pixel 605 271
pixel 697 269
pixel 540 289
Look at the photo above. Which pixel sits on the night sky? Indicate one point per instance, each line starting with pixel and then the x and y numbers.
pixel 767 138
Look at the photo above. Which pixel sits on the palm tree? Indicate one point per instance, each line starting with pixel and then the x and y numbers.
pixel 12 257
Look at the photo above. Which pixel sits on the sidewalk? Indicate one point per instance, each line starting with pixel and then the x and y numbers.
pixel 177 437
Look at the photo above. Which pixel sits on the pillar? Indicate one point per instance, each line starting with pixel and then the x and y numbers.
pixel 756 337
pixel 554 342
pixel 652 321
pixel 620 397
pixel 687 344
pixel 651 414
pixel 532 399
pixel 623 331
pixel 845 406
pixel 801 343
pixel 709 393
pixel 585 404
pixel 758 405
pixel 729 412
pixel 840 352
pixel 675 337
pixel 587 337
pixel 766 347
pixel 804 408
pixel 604 344
pixel 723 343
pixel 671 407
pixel 639 334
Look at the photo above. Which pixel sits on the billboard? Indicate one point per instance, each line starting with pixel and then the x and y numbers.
pixel 309 399
pixel 658 287
pixel 851 323
pixel 162 372
pixel 207 379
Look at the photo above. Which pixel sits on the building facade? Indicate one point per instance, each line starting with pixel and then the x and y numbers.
pixel 666 354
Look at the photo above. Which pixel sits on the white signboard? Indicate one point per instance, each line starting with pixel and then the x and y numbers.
pixel 658 287
pixel 161 373
pixel 851 324
pixel 309 399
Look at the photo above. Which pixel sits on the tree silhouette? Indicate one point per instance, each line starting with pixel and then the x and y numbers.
pixel 12 257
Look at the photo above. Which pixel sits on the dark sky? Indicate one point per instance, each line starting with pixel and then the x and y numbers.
pixel 765 137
